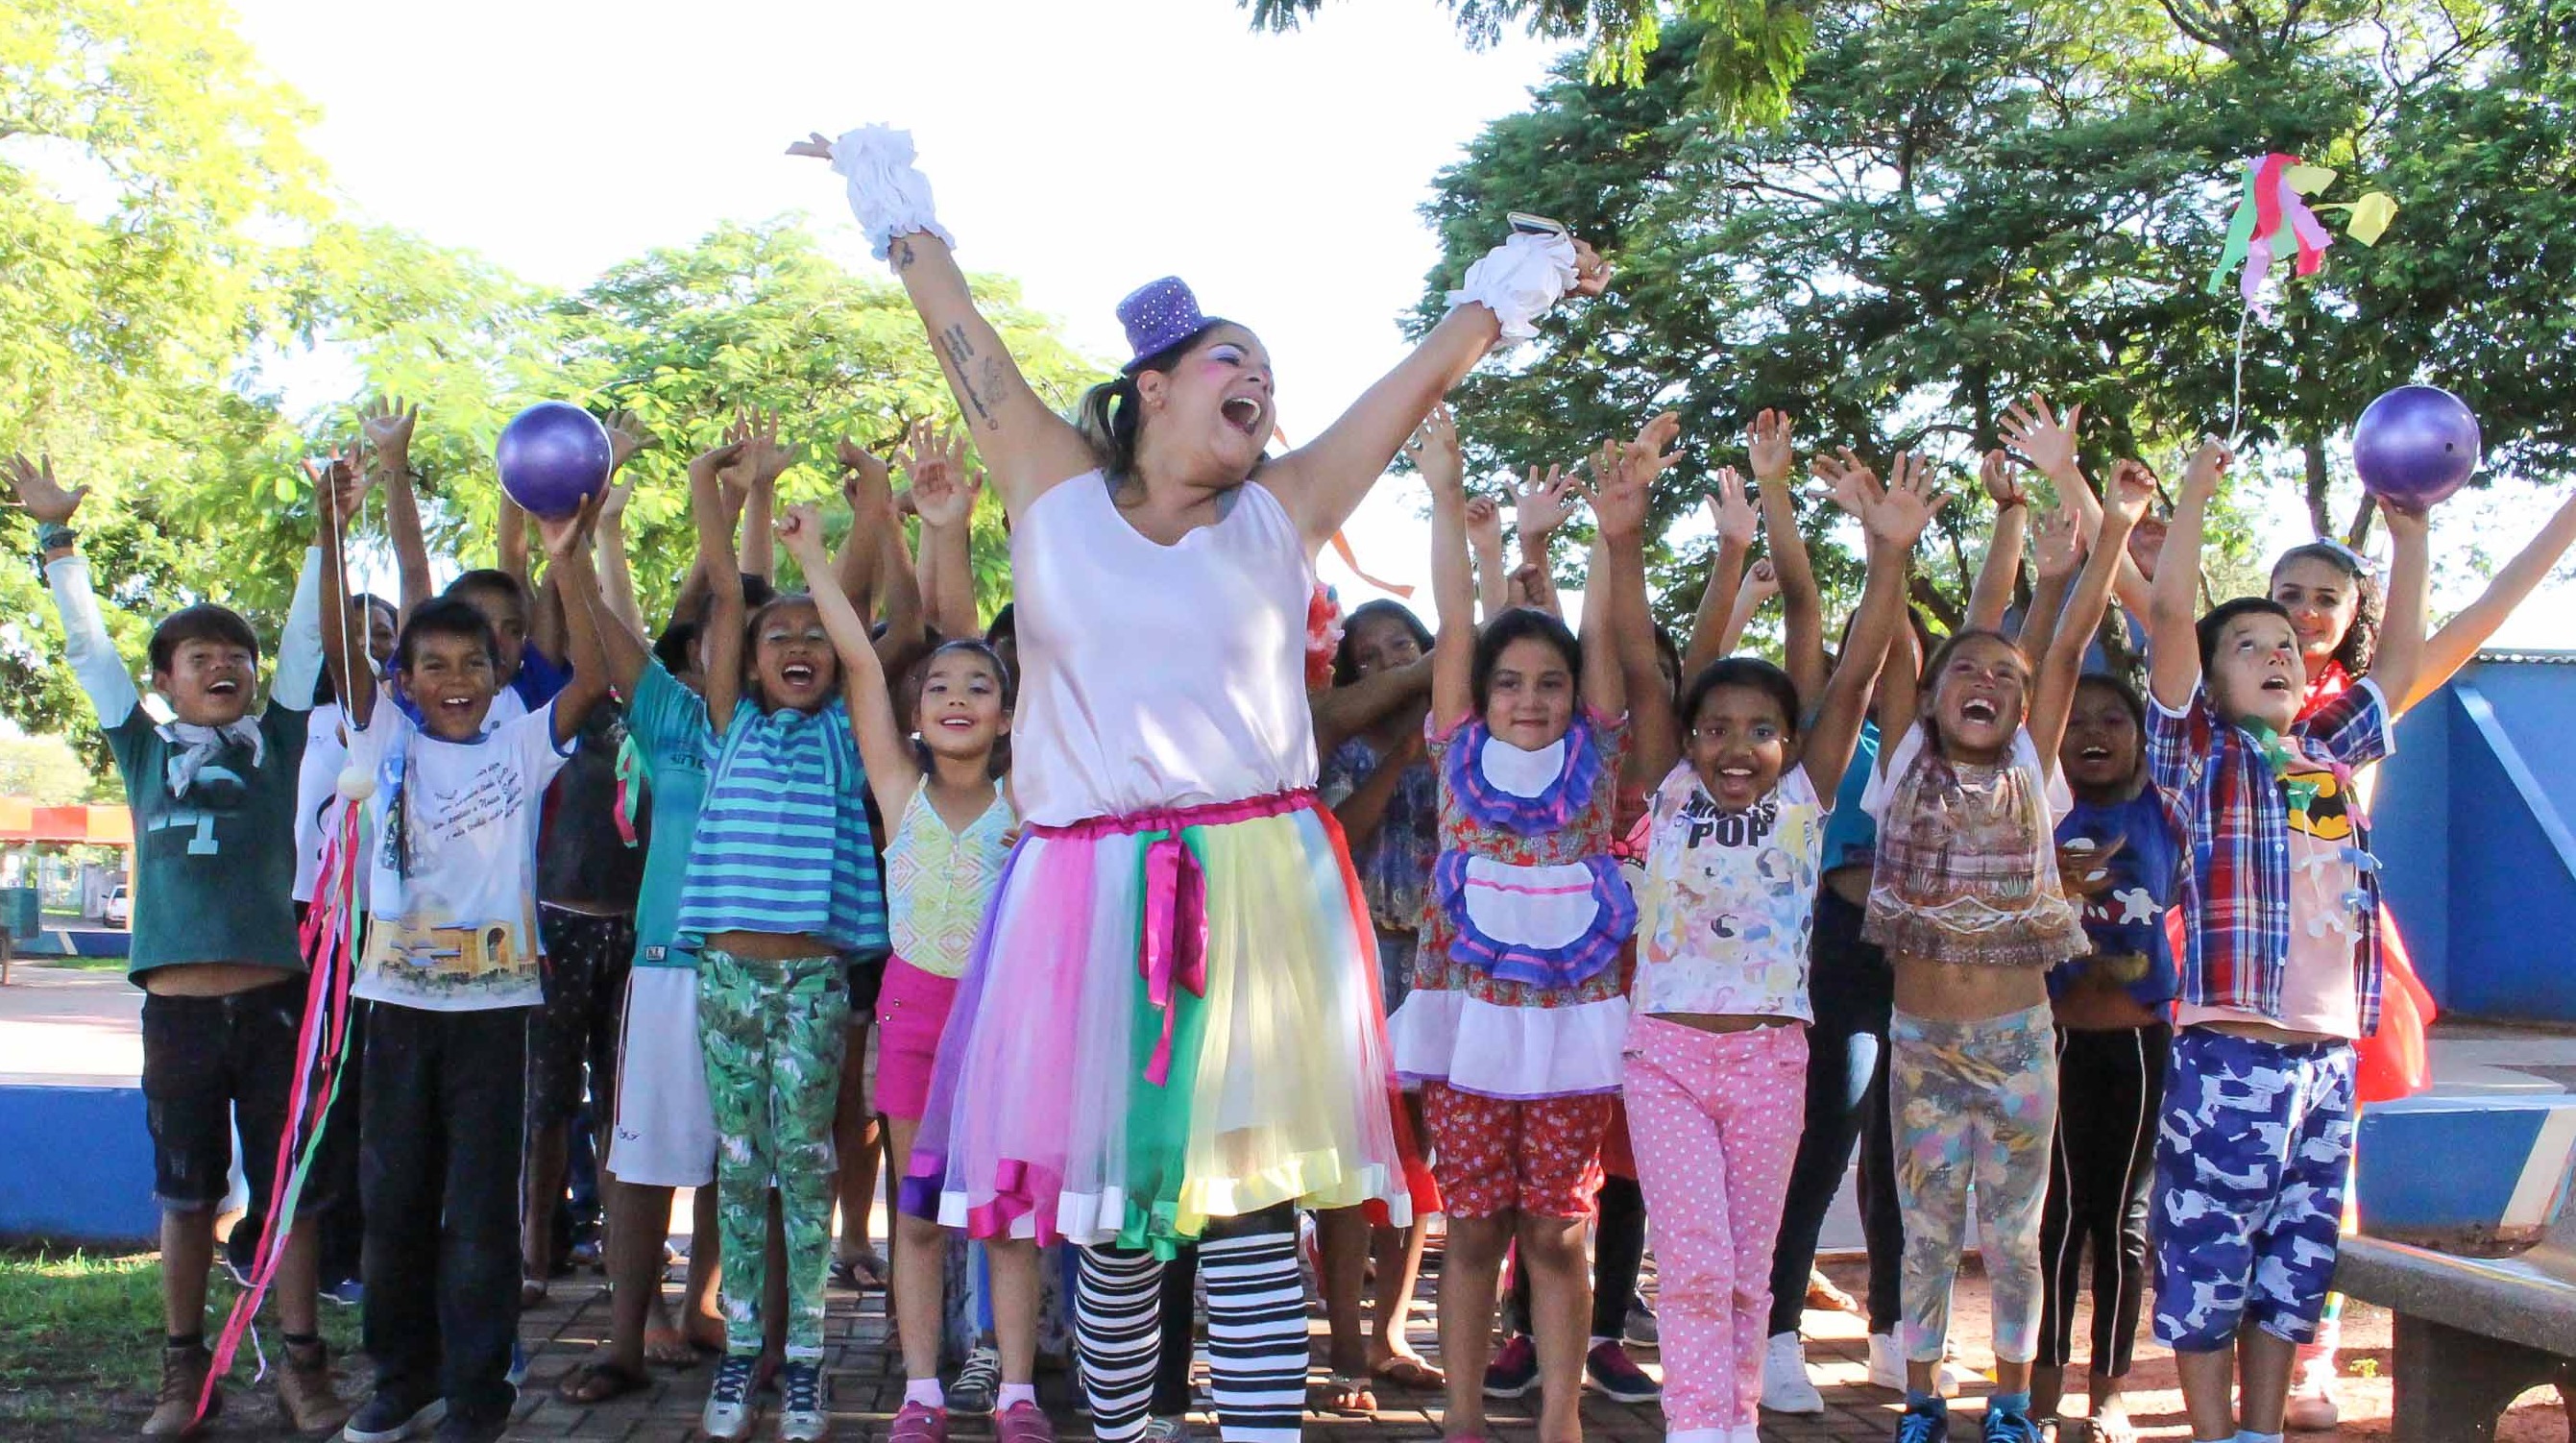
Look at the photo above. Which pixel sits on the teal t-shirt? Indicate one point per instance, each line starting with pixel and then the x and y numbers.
pixel 214 869
pixel 666 724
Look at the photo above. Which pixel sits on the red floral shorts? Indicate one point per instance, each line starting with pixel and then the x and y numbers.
pixel 1496 1155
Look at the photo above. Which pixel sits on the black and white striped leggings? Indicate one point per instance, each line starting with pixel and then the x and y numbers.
pixel 1256 1330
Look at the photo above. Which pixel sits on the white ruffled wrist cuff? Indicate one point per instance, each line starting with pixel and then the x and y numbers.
pixel 889 195
pixel 1518 280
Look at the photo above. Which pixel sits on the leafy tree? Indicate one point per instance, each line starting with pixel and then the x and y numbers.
pixel 1969 200
pixel 168 238
pixel 748 316
pixel 154 196
pixel 1743 55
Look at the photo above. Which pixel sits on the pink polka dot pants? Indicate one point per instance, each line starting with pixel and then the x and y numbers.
pixel 1714 1118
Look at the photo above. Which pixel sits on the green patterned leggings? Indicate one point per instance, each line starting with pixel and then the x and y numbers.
pixel 774 1034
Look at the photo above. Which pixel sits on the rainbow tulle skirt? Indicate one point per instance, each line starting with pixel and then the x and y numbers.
pixel 1168 1017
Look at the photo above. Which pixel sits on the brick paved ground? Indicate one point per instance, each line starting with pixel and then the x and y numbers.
pixel 867 1386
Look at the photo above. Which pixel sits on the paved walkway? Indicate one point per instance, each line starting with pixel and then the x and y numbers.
pixel 867 1385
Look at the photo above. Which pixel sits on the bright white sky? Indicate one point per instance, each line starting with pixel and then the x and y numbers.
pixel 1080 147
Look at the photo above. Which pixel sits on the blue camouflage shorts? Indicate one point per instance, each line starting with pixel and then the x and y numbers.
pixel 2251 1155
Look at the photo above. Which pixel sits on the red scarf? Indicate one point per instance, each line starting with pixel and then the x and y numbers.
pixel 2331 681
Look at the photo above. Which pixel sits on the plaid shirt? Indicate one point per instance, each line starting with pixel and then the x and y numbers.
pixel 2236 887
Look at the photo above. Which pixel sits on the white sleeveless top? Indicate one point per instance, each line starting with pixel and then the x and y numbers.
pixel 1157 676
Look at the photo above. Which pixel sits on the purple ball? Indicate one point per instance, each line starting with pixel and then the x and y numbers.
pixel 2415 445
pixel 552 457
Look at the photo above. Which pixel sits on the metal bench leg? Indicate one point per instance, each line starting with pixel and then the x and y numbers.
pixel 2452 1385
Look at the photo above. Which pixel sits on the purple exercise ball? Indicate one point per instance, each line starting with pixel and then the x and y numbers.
pixel 552 456
pixel 2415 445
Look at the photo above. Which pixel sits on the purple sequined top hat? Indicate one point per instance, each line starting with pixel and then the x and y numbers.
pixel 1159 315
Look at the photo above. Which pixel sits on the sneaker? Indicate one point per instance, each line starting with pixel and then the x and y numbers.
pixel 1926 1425
pixel 1887 1368
pixel 1023 1423
pixel 920 1423
pixel 978 1384
pixel 1169 1430
pixel 457 1428
pixel 2009 1427
pixel 1886 1363
pixel 347 1292
pixel 518 1373
pixel 307 1393
pixel 1609 1368
pixel 183 1380
pixel 1514 1371
pixel 1641 1327
pixel 802 1415
pixel 728 1411
pixel 385 1418
pixel 1785 1386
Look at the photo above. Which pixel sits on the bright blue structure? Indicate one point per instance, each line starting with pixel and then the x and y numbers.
pixel 2472 823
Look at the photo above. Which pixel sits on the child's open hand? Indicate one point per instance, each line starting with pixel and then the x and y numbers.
pixel 800 531
pixel 1771 456
pixel 1731 511
pixel 1434 451
pixel 387 424
pixel 33 489
pixel 2059 539
pixel 1897 516
pixel 627 435
pixel 2044 438
pixel 1853 484
pixel 1541 504
pixel 943 484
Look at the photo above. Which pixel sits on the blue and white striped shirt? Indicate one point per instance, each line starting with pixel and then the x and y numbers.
pixel 783 843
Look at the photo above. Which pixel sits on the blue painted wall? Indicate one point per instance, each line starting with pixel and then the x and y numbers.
pixel 82 1168
pixel 2472 825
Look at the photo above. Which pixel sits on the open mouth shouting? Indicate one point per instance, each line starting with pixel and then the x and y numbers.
pixel 1979 710
pixel 2093 754
pixel 224 686
pixel 1243 413
pixel 799 674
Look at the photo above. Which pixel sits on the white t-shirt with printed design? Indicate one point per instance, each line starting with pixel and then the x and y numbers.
pixel 1730 899
pixel 453 874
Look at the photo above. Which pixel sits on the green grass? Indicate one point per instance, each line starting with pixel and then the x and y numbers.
pixel 82 1358
pixel 77 964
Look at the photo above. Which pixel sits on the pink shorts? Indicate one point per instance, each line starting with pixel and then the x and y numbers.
pixel 912 1010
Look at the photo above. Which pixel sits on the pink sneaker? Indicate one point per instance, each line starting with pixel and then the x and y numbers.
pixel 919 1423
pixel 1023 1423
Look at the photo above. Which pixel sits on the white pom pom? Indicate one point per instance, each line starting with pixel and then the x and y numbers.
pixel 356 784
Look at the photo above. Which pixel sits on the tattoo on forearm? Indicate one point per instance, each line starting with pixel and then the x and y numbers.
pixel 960 351
pixel 903 255
pixel 992 393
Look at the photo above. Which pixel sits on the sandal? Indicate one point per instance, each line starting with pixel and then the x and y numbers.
pixel 1406 1370
pixel 597 1380
pixel 2119 1428
pixel 1345 1396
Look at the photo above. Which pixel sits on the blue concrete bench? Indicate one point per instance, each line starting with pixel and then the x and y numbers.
pixel 2472 1333
pixel 81 1166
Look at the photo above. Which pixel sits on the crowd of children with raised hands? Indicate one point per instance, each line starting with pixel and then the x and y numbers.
pixel 1626 893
